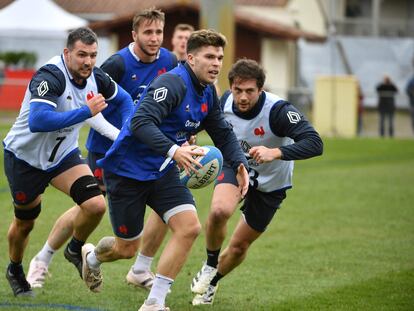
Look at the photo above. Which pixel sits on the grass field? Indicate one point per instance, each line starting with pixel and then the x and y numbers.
pixel 343 240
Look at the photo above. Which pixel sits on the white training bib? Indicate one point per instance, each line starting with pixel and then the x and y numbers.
pixel 269 176
pixel 45 150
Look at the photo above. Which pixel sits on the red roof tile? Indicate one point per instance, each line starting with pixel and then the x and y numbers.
pixel 123 11
pixel 122 7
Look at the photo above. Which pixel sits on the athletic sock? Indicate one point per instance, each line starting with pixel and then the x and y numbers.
pixel 75 246
pixel 92 261
pixel 15 268
pixel 46 254
pixel 142 263
pixel 212 258
pixel 159 289
pixel 215 279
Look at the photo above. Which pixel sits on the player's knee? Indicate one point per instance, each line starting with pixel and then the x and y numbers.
pixel 127 251
pixel 239 249
pixel 27 216
pixel 220 212
pixel 84 189
pixel 191 231
pixel 25 219
pixel 95 206
pixel 25 226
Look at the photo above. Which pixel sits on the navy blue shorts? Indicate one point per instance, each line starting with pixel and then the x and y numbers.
pixel 258 207
pixel 96 171
pixel 128 198
pixel 27 182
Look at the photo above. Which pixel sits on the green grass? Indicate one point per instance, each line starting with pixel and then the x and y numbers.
pixel 343 240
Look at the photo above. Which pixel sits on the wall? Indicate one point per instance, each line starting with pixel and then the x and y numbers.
pixel 13 87
pixel 335 106
pixel 277 64
pixel 248 43
pixel 308 14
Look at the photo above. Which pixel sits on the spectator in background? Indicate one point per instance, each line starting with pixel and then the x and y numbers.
pixel 179 41
pixel 410 92
pixel 386 105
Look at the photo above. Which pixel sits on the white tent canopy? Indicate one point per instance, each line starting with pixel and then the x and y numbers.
pixel 41 26
pixel 40 18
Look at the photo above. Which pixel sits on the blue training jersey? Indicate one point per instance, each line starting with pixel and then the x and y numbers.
pixel 132 158
pixel 133 75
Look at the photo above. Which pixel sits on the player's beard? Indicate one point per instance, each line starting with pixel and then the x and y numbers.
pixel 78 75
pixel 146 52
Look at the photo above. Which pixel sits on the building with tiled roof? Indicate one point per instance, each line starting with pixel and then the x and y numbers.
pixel 261 26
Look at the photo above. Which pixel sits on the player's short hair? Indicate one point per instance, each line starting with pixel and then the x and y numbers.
pixel 183 27
pixel 150 14
pixel 205 37
pixel 84 34
pixel 247 69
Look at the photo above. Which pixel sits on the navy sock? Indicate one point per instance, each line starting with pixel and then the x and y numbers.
pixel 212 258
pixel 75 246
pixel 15 268
pixel 215 279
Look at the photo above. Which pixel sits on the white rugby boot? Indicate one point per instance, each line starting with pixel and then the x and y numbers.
pixel 203 278
pixel 151 305
pixel 38 271
pixel 91 277
pixel 207 298
pixel 142 279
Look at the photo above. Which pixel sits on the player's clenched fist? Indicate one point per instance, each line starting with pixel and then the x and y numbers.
pixel 96 104
pixel 262 154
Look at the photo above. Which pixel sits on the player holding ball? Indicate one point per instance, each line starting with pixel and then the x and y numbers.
pixel 174 106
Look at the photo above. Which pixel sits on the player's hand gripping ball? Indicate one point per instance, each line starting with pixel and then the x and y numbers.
pixel 212 162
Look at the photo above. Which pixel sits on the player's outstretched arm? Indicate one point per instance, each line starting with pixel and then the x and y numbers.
pixel 44 117
pixel 262 154
pixel 103 127
pixel 242 179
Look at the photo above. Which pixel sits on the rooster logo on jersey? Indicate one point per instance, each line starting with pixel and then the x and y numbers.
pixel 90 95
pixel 259 131
pixel 161 71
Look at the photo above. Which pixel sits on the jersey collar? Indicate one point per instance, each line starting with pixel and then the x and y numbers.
pixel 71 77
pixel 199 87
pixel 251 114
pixel 131 50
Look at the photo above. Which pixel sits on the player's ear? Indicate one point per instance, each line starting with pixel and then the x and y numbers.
pixel 134 36
pixel 190 59
pixel 66 52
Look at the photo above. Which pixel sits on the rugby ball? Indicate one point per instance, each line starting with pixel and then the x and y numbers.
pixel 212 162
